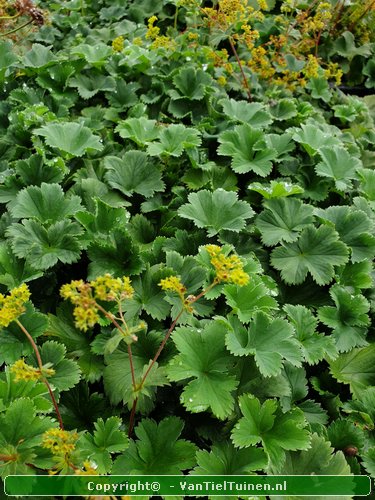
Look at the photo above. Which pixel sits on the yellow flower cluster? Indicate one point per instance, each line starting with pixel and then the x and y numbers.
pixel 118 44
pixel 333 72
pixel 229 269
pixel 26 372
pixel 13 305
pixel 311 68
pixel 172 284
pixel 59 441
pixel 84 296
pixel 152 31
pixel 108 288
pixel 87 470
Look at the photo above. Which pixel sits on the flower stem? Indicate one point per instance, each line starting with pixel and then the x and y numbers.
pixel 40 365
pixel 244 77
pixel 16 29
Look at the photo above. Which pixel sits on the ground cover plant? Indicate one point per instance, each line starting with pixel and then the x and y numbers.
pixel 187 237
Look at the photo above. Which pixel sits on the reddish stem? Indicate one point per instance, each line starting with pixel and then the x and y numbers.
pixel 244 78
pixel 40 365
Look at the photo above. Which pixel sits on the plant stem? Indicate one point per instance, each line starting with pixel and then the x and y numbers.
pixel 161 347
pixel 40 365
pixel 244 78
pixel 16 29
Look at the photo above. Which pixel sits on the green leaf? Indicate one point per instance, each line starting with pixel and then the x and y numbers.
pixel 242 111
pixel 96 54
pixel 225 459
pixel 7 56
pixel 362 410
pixel 203 357
pixel 318 459
pixel 342 433
pixel 271 341
pixel 316 251
pixel 133 173
pixel 356 368
pixel 248 149
pixel 70 137
pixel 44 247
pixel 10 390
pixel 148 294
pixel 216 210
pixel 174 140
pixel 20 432
pixel 368 461
pixel 349 318
pixel 355 229
pixel 88 86
pixel 106 439
pixel 315 346
pixel 312 138
pixel 67 373
pixel 34 170
pixel 319 88
pixel 283 109
pixel 247 300
pixel 117 256
pixel 139 130
pixel 13 341
pixel 39 57
pixel 283 219
pixel 13 271
pixel 345 46
pixel 157 449
pixel 275 189
pixel 45 203
pixel 339 165
pixel 266 424
pixel 118 380
pixel 369 71
pixel 192 83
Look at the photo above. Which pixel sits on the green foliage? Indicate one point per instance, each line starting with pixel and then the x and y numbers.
pixel 216 211
pixel 128 160
pixel 158 449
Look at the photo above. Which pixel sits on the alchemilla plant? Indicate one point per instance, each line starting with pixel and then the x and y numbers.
pixel 187 237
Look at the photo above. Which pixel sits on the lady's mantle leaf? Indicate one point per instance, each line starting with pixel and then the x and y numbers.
pixel 20 432
pixel 275 189
pixel 45 203
pixel 339 165
pixel 356 368
pixel 72 138
pixel 283 219
pixel 248 149
pixel 42 247
pixel 67 372
pixel 241 111
pixel 355 229
pixel 267 424
pixel 349 318
pixel 312 138
pixel 271 341
pixel 133 174
pixel 216 211
pixel 318 459
pixel 140 130
pixel 173 140
pixel 191 83
pixel 88 86
pixel 204 358
pixel 157 450
pixel 106 439
pixel 249 299
pixel 225 459
pixel 316 252
pixel 39 56
pixel 315 346
pixel 368 461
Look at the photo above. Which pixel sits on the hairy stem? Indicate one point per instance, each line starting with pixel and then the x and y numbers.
pixel 16 29
pixel 40 365
pixel 244 77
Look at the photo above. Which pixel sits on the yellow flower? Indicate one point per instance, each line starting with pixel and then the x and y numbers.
pixel 26 372
pixel 109 288
pixel 13 305
pixel 172 284
pixel 59 441
pixel 152 31
pixel 118 44
pixel 229 269
pixel 87 470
